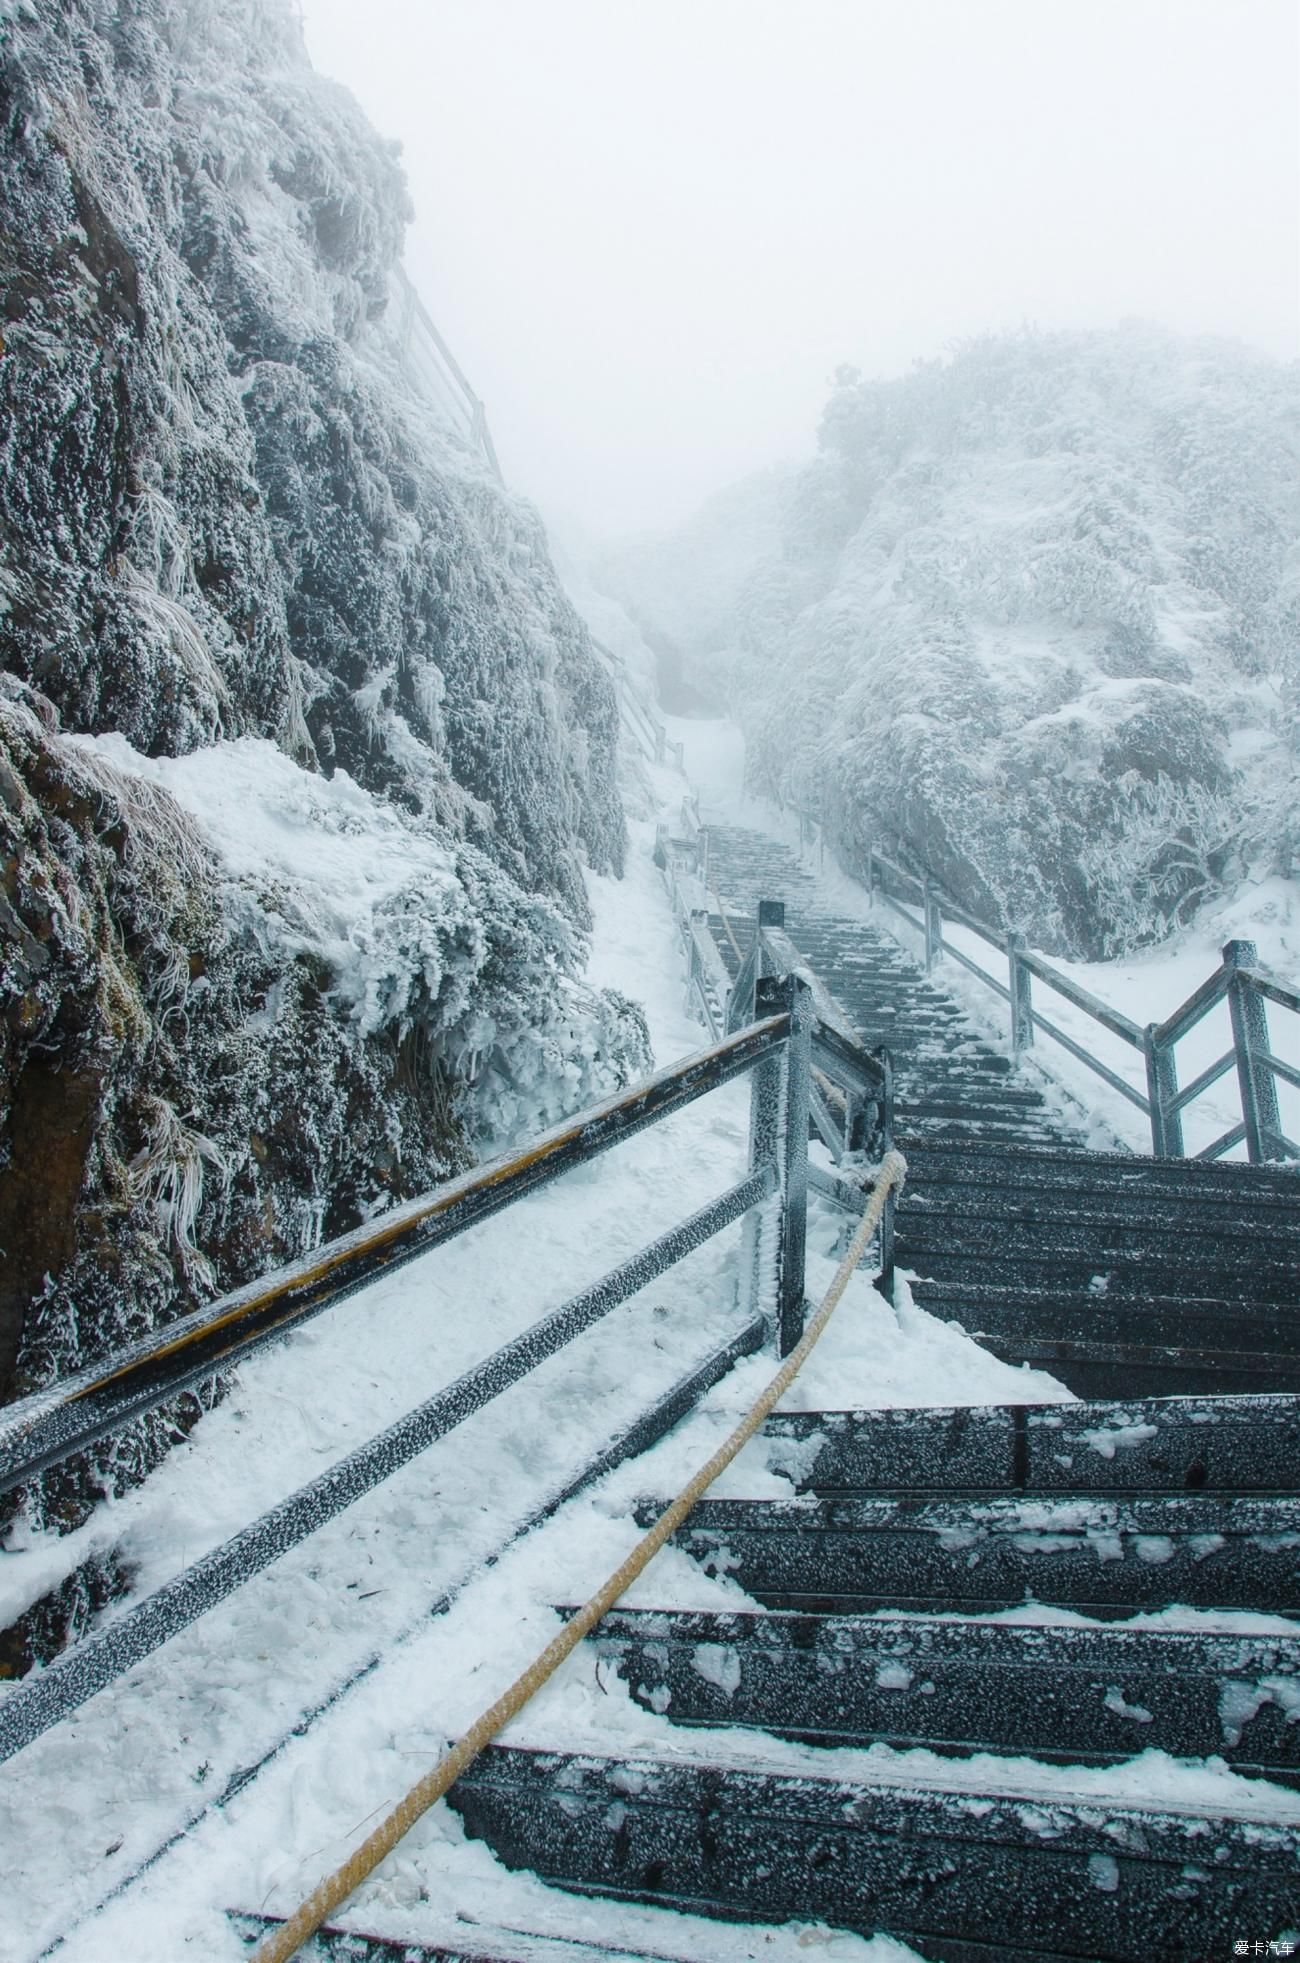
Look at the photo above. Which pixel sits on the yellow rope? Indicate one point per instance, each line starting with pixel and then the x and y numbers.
pixel 279 1944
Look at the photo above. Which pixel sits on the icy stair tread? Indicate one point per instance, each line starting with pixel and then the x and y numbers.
pixel 1050 1692
pixel 951 1871
pixel 1098 1556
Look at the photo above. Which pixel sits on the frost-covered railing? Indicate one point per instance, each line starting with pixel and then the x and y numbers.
pixel 430 363
pixel 850 1088
pixel 42 1430
pixel 1240 981
pixel 640 717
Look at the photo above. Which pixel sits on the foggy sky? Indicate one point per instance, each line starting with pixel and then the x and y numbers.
pixel 652 229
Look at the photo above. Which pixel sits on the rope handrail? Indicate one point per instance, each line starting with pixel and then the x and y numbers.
pixel 284 1942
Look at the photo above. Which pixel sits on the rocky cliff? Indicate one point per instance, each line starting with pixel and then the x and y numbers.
pixel 302 748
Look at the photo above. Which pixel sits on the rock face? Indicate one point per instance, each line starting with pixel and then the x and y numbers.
pixel 1033 622
pixel 308 930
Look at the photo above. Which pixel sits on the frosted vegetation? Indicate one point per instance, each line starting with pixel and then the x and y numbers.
pixel 1031 619
pixel 302 748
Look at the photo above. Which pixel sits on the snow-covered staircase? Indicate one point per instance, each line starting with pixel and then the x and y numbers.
pixel 1071 1585
pixel 1121 1275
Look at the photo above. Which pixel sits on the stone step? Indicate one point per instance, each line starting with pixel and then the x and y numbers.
pixel 1119 1311
pixel 1098 1695
pixel 1103 1557
pixel 1175 1445
pixel 963 1876
pixel 1092 1367
pixel 994 1106
pixel 951 1081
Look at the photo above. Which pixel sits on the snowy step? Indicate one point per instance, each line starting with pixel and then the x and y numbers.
pixel 1221 1219
pixel 982 1072
pixel 1062 1260
pixel 914 1128
pixel 1069 1168
pixel 1102 1557
pixel 987 1105
pixel 1093 1367
pixel 962 1875
pixel 1178 1444
pixel 1054 1693
pixel 1035 1234
pixel 976 1090
pixel 1119 1310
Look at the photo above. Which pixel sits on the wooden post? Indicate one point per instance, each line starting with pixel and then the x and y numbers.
pixel 1259 1109
pixel 1162 1089
pixel 1022 1001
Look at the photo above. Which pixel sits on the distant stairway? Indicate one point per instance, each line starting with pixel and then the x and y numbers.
pixel 1069 1584
pixel 1121 1275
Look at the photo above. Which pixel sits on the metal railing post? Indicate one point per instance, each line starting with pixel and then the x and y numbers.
pixel 1022 1001
pixel 1162 1089
pixel 694 979
pixel 933 924
pixel 887 1145
pixel 761 1246
pixel 1259 1108
pixel 775 994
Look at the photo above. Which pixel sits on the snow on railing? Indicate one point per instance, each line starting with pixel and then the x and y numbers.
pixel 640 717
pixel 41 1431
pixel 430 364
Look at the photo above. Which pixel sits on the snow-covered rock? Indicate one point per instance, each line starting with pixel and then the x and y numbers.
pixel 1032 618
pixel 302 746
